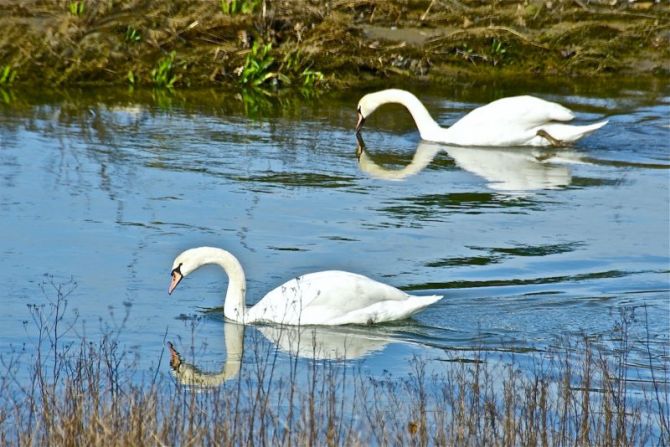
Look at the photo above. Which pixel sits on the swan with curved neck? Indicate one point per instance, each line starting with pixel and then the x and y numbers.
pixel 330 297
pixel 513 121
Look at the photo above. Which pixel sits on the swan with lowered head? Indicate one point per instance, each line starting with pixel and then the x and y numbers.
pixel 513 121
pixel 323 298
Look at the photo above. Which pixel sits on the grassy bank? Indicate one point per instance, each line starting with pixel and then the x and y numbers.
pixel 309 44
pixel 89 393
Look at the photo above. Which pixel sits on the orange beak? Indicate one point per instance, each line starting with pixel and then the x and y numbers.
pixel 176 277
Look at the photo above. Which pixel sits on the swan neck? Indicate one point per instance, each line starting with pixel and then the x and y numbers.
pixel 234 307
pixel 424 121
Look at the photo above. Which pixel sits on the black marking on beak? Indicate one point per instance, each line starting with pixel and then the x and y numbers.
pixel 176 279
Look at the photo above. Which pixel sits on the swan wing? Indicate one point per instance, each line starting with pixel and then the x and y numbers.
pixel 330 298
pixel 508 121
pixel 516 111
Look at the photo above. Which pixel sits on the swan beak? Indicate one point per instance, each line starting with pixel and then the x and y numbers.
pixel 176 277
pixel 175 358
pixel 360 122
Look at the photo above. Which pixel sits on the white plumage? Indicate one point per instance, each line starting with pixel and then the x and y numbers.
pixel 513 121
pixel 323 298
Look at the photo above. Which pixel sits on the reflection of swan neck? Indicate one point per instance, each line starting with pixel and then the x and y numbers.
pixel 189 374
pixel 423 156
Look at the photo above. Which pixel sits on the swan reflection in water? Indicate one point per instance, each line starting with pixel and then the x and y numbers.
pixel 505 169
pixel 309 342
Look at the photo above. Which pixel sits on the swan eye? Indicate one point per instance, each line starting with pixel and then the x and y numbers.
pixel 176 270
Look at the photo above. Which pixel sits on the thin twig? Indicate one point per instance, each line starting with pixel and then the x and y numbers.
pixel 582 5
pixel 423 16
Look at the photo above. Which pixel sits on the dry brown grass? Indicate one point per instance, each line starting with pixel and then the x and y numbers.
pixel 348 40
pixel 87 394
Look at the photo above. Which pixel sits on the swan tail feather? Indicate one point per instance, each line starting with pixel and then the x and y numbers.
pixel 569 133
pixel 420 303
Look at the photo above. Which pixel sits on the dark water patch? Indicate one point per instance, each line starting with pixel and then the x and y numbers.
pixel 299 179
pixel 465 261
pixel 544 292
pixel 340 238
pixel 425 206
pixel 134 224
pixel 649 291
pixel 529 250
pixel 163 198
pixel 589 182
pixel 520 282
pixel 626 164
pixel 504 349
pixel 287 248
pixel 461 360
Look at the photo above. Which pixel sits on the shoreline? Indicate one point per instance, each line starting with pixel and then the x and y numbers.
pixel 334 45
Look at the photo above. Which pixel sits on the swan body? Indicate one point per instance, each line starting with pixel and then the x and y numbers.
pixel 513 121
pixel 323 298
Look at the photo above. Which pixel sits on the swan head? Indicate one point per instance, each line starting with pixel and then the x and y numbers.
pixel 185 263
pixel 366 106
pixel 370 102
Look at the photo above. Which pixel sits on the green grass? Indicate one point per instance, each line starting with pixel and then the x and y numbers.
pixel 298 68
pixel 257 68
pixel 261 68
pixel 163 75
pixel 498 52
pixel 234 7
pixel 132 35
pixel 7 75
pixel 76 8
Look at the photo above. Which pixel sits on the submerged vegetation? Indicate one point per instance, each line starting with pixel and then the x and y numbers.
pixel 254 41
pixel 89 393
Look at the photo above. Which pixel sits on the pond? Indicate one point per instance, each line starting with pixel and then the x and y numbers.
pixel 104 188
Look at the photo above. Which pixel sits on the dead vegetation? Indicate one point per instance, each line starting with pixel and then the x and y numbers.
pixel 580 392
pixel 63 42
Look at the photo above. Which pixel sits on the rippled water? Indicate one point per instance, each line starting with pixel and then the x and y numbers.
pixel 104 188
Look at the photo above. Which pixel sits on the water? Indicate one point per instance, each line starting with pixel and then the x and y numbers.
pixel 105 188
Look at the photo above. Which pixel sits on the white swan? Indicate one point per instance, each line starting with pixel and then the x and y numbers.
pixel 322 298
pixel 514 121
